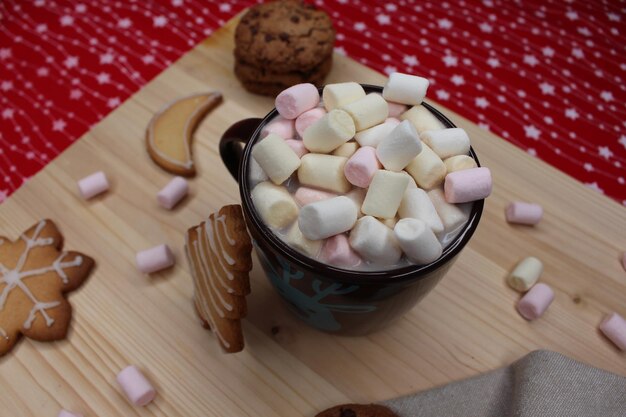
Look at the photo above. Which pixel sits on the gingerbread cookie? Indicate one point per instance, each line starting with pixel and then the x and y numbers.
pixel 34 275
pixel 219 254
pixel 169 134
pixel 358 410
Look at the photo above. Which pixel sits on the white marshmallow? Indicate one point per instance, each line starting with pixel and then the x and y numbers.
pixel 405 89
pixel 324 171
pixel 346 150
pixel 384 194
pixel 390 223
pixel 422 119
pixel 338 95
pixel 328 133
pixel 452 216
pixel 375 242
pixel 416 205
pixel 276 158
pixel 412 183
pixel 297 240
pixel 357 195
pixel 418 241
pixel 427 169
pixel 374 135
pixel 274 204
pixel 327 218
pixel 368 111
pixel 447 142
pixel 526 274
pixel 399 148
pixel 459 163
pixel 256 173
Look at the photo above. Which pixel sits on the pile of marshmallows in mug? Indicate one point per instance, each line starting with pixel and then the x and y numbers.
pixel 383 172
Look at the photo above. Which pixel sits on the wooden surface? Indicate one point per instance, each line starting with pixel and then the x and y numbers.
pixel 467 325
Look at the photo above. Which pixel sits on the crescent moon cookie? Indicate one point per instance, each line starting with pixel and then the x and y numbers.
pixel 34 275
pixel 219 252
pixel 169 133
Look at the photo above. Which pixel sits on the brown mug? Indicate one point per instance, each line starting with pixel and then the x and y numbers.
pixel 326 297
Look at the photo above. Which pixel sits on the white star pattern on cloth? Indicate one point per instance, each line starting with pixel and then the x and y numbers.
pixel 547 51
pixel 532 152
pixel 67 20
pixel 613 17
pixel 383 19
pixel 106 58
pixel 42 72
pixel 546 88
pixel 485 27
pixel 5 53
pixel 390 70
pixel 442 94
pixel 571 114
pixel 607 96
pixel 42 27
pixel 225 7
pixel 584 31
pixel 124 23
pixel 3 195
pixel 588 167
pixel 7 113
pixel 605 152
pixel 493 62
pixel 159 21
pixel 103 78
pixel 457 80
pixel 572 15
pixel 444 23
pixel 177 3
pixel 481 102
pixel 75 94
pixel 81 8
pixel 410 60
pixel 360 26
pixel 58 125
pixel 531 60
pixel 71 62
pixel 114 102
pixel 6 85
pixel 340 50
pixel 450 61
pixel 532 132
pixel 390 7
pixel 594 186
pixel 147 59
pixel 622 141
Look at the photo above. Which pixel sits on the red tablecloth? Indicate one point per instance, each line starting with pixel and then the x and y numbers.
pixel 547 75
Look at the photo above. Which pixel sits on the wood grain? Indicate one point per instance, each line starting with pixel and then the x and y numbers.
pixel 465 326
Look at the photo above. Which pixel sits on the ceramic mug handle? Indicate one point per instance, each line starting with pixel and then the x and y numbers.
pixel 233 142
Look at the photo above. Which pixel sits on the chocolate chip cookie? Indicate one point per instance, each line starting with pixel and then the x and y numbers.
pixel 358 410
pixel 283 43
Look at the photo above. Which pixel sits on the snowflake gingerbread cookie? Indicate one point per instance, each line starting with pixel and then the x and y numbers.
pixel 34 275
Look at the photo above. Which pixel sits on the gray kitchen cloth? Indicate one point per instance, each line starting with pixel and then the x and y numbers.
pixel 541 384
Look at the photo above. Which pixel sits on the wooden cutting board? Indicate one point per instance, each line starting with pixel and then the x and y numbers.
pixel 467 325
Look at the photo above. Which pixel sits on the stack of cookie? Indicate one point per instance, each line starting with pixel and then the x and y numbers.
pixel 283 43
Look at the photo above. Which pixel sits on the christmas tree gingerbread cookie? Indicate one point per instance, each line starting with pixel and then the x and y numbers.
pixel 34 275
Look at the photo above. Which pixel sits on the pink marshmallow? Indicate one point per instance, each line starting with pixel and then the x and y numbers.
pixel 173 192
pixel 396 109
pixel 337 251
pixel 65 413
pixel 297 99
pixel 307 118
pixel 523 213
pixel 361 167
pixel 93 185
pixel 154 259
pixel 535 302
pixel 614 328
pixel 298 147
pixel 137 388
pixel 306 195
pixel 468 185
pixel 280 126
